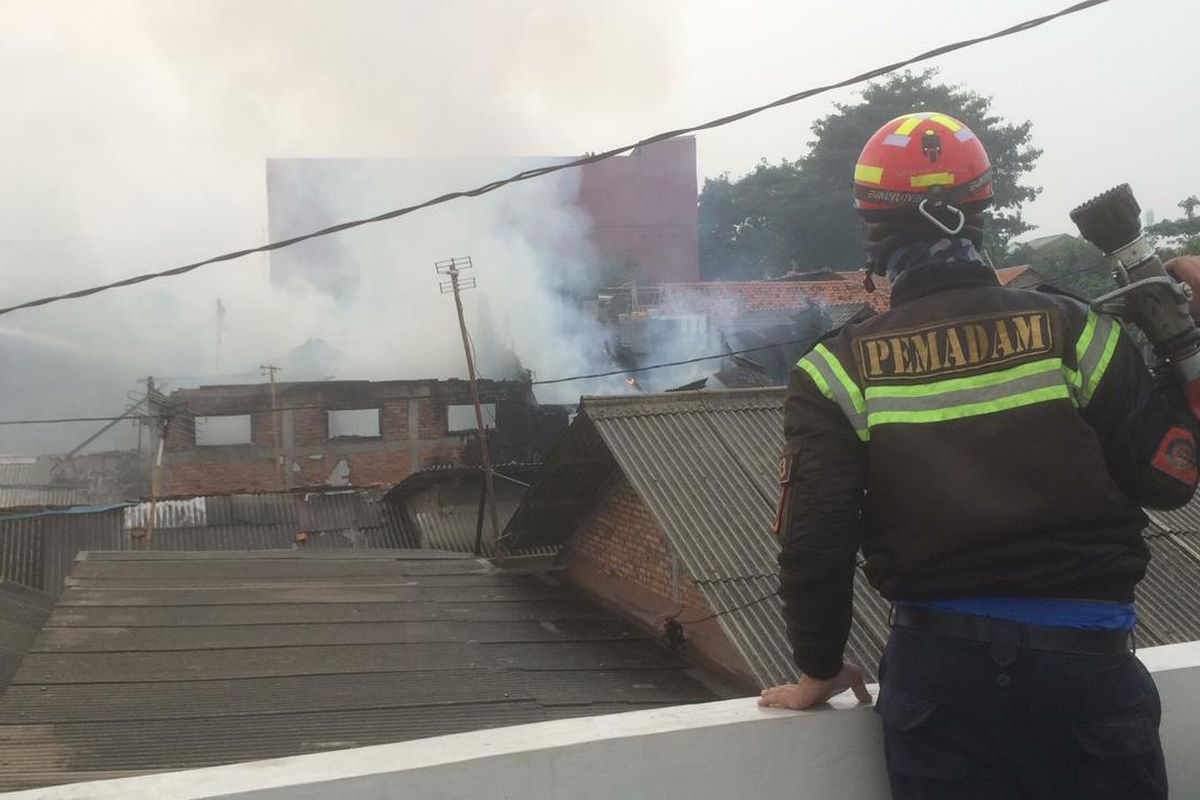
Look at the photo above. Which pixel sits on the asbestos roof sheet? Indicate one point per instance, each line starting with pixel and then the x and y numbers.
pixel 162 661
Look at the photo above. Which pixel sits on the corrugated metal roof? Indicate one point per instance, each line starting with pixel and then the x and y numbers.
pixel 42 497
pixel 282 653
pixel 1181 520
pixel 38 550
pixel 440 508
pixel 25 470
pixel 1168 605
pixel 705 463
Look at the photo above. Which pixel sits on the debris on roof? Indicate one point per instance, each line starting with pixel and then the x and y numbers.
pixel 162 661
pixel 440 508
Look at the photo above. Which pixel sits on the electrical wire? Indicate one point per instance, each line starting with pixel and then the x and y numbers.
pixel 717 614
pixel 551 168
pixel 184 414
pixel 696 360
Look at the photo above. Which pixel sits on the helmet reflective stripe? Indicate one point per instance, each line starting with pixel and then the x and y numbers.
pixel 868 174
pixel 932 179
pixel 1093 353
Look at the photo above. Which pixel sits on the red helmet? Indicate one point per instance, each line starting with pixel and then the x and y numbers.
pixel 922 162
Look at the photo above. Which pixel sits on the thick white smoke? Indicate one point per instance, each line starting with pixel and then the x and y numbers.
pixel 136 138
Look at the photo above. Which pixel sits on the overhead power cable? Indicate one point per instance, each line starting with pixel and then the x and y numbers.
pixel 546 382
pixel 551 168
pixel 682 362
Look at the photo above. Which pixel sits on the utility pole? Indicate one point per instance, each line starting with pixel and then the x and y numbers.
pixel 276 424
pixel 456 285
pixel 159 421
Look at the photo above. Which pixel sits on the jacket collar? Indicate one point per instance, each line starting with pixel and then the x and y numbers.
pixel 942 278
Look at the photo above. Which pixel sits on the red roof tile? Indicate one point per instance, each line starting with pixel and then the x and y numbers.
pixel 1009 274
pixel 732 297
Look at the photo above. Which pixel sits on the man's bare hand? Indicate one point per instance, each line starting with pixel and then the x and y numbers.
pixel 1187 269
pixel 811 691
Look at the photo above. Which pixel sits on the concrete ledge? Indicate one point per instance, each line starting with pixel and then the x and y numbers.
pixel 713 750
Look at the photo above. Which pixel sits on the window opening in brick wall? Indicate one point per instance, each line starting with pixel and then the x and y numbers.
pixel 461 418
pixel 221 430
pixel 357 422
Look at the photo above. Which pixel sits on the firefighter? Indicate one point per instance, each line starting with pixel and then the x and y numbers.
pixel 990 450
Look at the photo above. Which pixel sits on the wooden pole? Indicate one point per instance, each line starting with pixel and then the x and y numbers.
pixel 489 487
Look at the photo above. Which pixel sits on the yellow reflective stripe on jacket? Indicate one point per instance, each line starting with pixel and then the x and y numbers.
pixel 1093 353
pixel 1036 382
pixel 835 384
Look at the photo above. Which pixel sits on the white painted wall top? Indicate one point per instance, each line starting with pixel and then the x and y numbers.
pixel 729 749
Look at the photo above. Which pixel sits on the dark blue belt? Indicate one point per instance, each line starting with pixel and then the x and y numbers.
pixel 1024 637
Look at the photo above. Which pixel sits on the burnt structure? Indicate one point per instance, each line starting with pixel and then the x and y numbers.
pixel 341 433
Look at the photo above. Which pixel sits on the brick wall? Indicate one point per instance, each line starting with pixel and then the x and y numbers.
pixel 624 541
pixel 393 420
pixel 219 476
pixel 432 418
pixel 621 558
pixel 310 457
pixel 309 426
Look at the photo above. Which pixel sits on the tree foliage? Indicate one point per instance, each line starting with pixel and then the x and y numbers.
pixel 1175 237
pixel 797 214
pixel 1069 263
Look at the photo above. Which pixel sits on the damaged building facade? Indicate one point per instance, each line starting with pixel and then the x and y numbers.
pixel 341 433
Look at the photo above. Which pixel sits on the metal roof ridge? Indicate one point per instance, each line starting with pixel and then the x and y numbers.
pixel 668 397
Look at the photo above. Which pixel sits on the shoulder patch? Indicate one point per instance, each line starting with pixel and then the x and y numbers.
pixel 954 346
pixel 1176 456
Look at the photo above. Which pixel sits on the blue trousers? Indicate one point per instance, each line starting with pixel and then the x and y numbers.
pixel 966 720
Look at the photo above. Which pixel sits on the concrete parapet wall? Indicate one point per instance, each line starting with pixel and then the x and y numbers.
pixel 712 750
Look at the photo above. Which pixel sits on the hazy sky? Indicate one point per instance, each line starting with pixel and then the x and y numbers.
pixel 135 134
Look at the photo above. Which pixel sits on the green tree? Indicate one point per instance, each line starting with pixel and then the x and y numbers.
pixel 799 212
pixel 1069 263
pixel 1174 237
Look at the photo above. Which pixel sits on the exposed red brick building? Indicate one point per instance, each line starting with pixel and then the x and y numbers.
pixel 339 433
